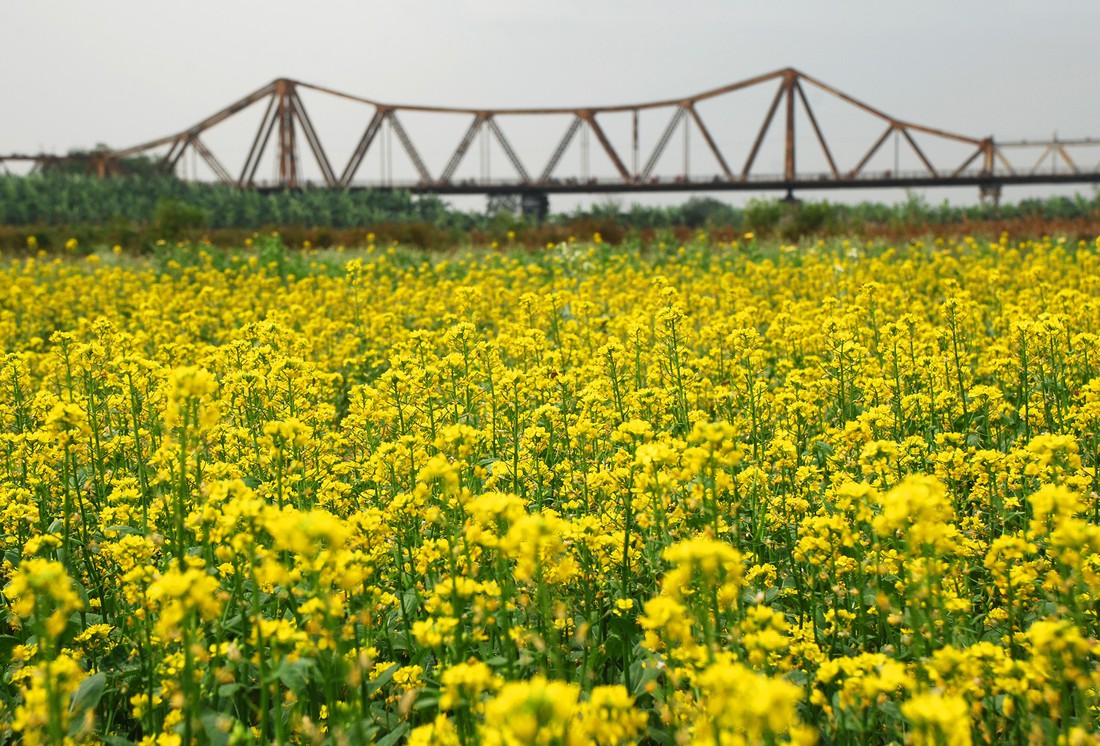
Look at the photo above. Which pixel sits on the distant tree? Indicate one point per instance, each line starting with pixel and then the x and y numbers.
pixel 173 218
pixel 700 211
pixel 83 161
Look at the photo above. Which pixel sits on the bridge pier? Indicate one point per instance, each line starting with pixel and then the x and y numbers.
pixel 989 195
pixel 535 206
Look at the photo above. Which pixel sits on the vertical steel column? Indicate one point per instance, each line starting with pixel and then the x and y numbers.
pixel 789 81
pixel 634 164
pixel 288 156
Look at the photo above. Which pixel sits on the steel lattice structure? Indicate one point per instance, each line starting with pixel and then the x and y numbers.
pixel 286 123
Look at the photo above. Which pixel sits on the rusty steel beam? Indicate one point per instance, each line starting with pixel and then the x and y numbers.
pixel 463 146
pixel 1082 141
pixel 211 161
pixel 216 118
pixel 410 149
pixel 618 108
pixel 662 142
pixel 361 147
pixel 883 115
pixel 168 163
pixel 1004 161
pixel 1046 151
pixel 508 150
pixel 789 80
pixel 919 152
pixel 874 149
pixel 980 151
pixel 313 140
pixel 559 151
pixel 271 125
pixel 36 157
pixel 287 152
pixel 763 132
pixel 1065 155
pixel 593 125
pixel 259 142
pixel 816 182
pixel 817 130
pixel 634 143
pixel 813 182
pixel 710 141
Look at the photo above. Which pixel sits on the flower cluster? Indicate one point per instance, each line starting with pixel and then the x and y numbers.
pixel 698 494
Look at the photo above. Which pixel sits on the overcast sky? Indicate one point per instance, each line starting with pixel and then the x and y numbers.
pixel 75 73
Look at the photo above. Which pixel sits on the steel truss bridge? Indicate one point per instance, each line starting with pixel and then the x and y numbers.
pixel 716 127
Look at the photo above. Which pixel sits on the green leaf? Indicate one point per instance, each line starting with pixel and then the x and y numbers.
pixel 216 727
pixel 393 736
pixel 426 700
pixel 642 672
pixel 295 675
pixel 85 699
pixel 88 694
pixel 8 644
pixel 362 731
pixel 228 690
pixel 614 646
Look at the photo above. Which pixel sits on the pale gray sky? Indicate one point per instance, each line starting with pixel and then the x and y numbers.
pixel 78 72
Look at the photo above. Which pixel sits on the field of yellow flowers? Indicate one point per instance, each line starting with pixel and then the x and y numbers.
pixel 709 494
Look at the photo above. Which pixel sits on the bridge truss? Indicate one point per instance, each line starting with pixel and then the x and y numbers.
pixel 723 146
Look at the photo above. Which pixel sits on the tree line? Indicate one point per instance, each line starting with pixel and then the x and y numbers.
pixel 147 200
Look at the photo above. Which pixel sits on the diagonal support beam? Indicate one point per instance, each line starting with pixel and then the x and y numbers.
pixel 973 157
pixel 313 140
pixel 171 158
pixel 816 128
pixel 258 144
pixel 1069 161
pixel 463 146
pixel 263 135
pixel 214 164
pixel 763 130
pixel 406 143
pixel 1005 162
pixel 559 151
pixel 1048 150
pixel 205 124
pixel 506 146
pixel 883 115
pixel 589 117
pixel 361 148
pixel 874 149
pixel 662 142
pixel 919 152
pixel 710 142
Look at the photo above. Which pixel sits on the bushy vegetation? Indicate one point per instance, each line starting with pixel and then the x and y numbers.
pixel 791 219
pixel 137 209
pixel 74 199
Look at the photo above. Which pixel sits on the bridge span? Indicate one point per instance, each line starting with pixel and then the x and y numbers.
pixel 787 130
